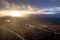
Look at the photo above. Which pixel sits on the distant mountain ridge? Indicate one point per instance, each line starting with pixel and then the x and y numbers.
pixel 57 15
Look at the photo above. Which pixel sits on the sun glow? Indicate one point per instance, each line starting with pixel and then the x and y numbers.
pixel 15 13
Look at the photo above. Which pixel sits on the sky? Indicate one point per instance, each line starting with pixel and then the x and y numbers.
pixel 30 6
pixel 35 3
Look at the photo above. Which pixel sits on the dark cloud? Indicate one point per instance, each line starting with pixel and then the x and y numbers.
pixel 55 0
